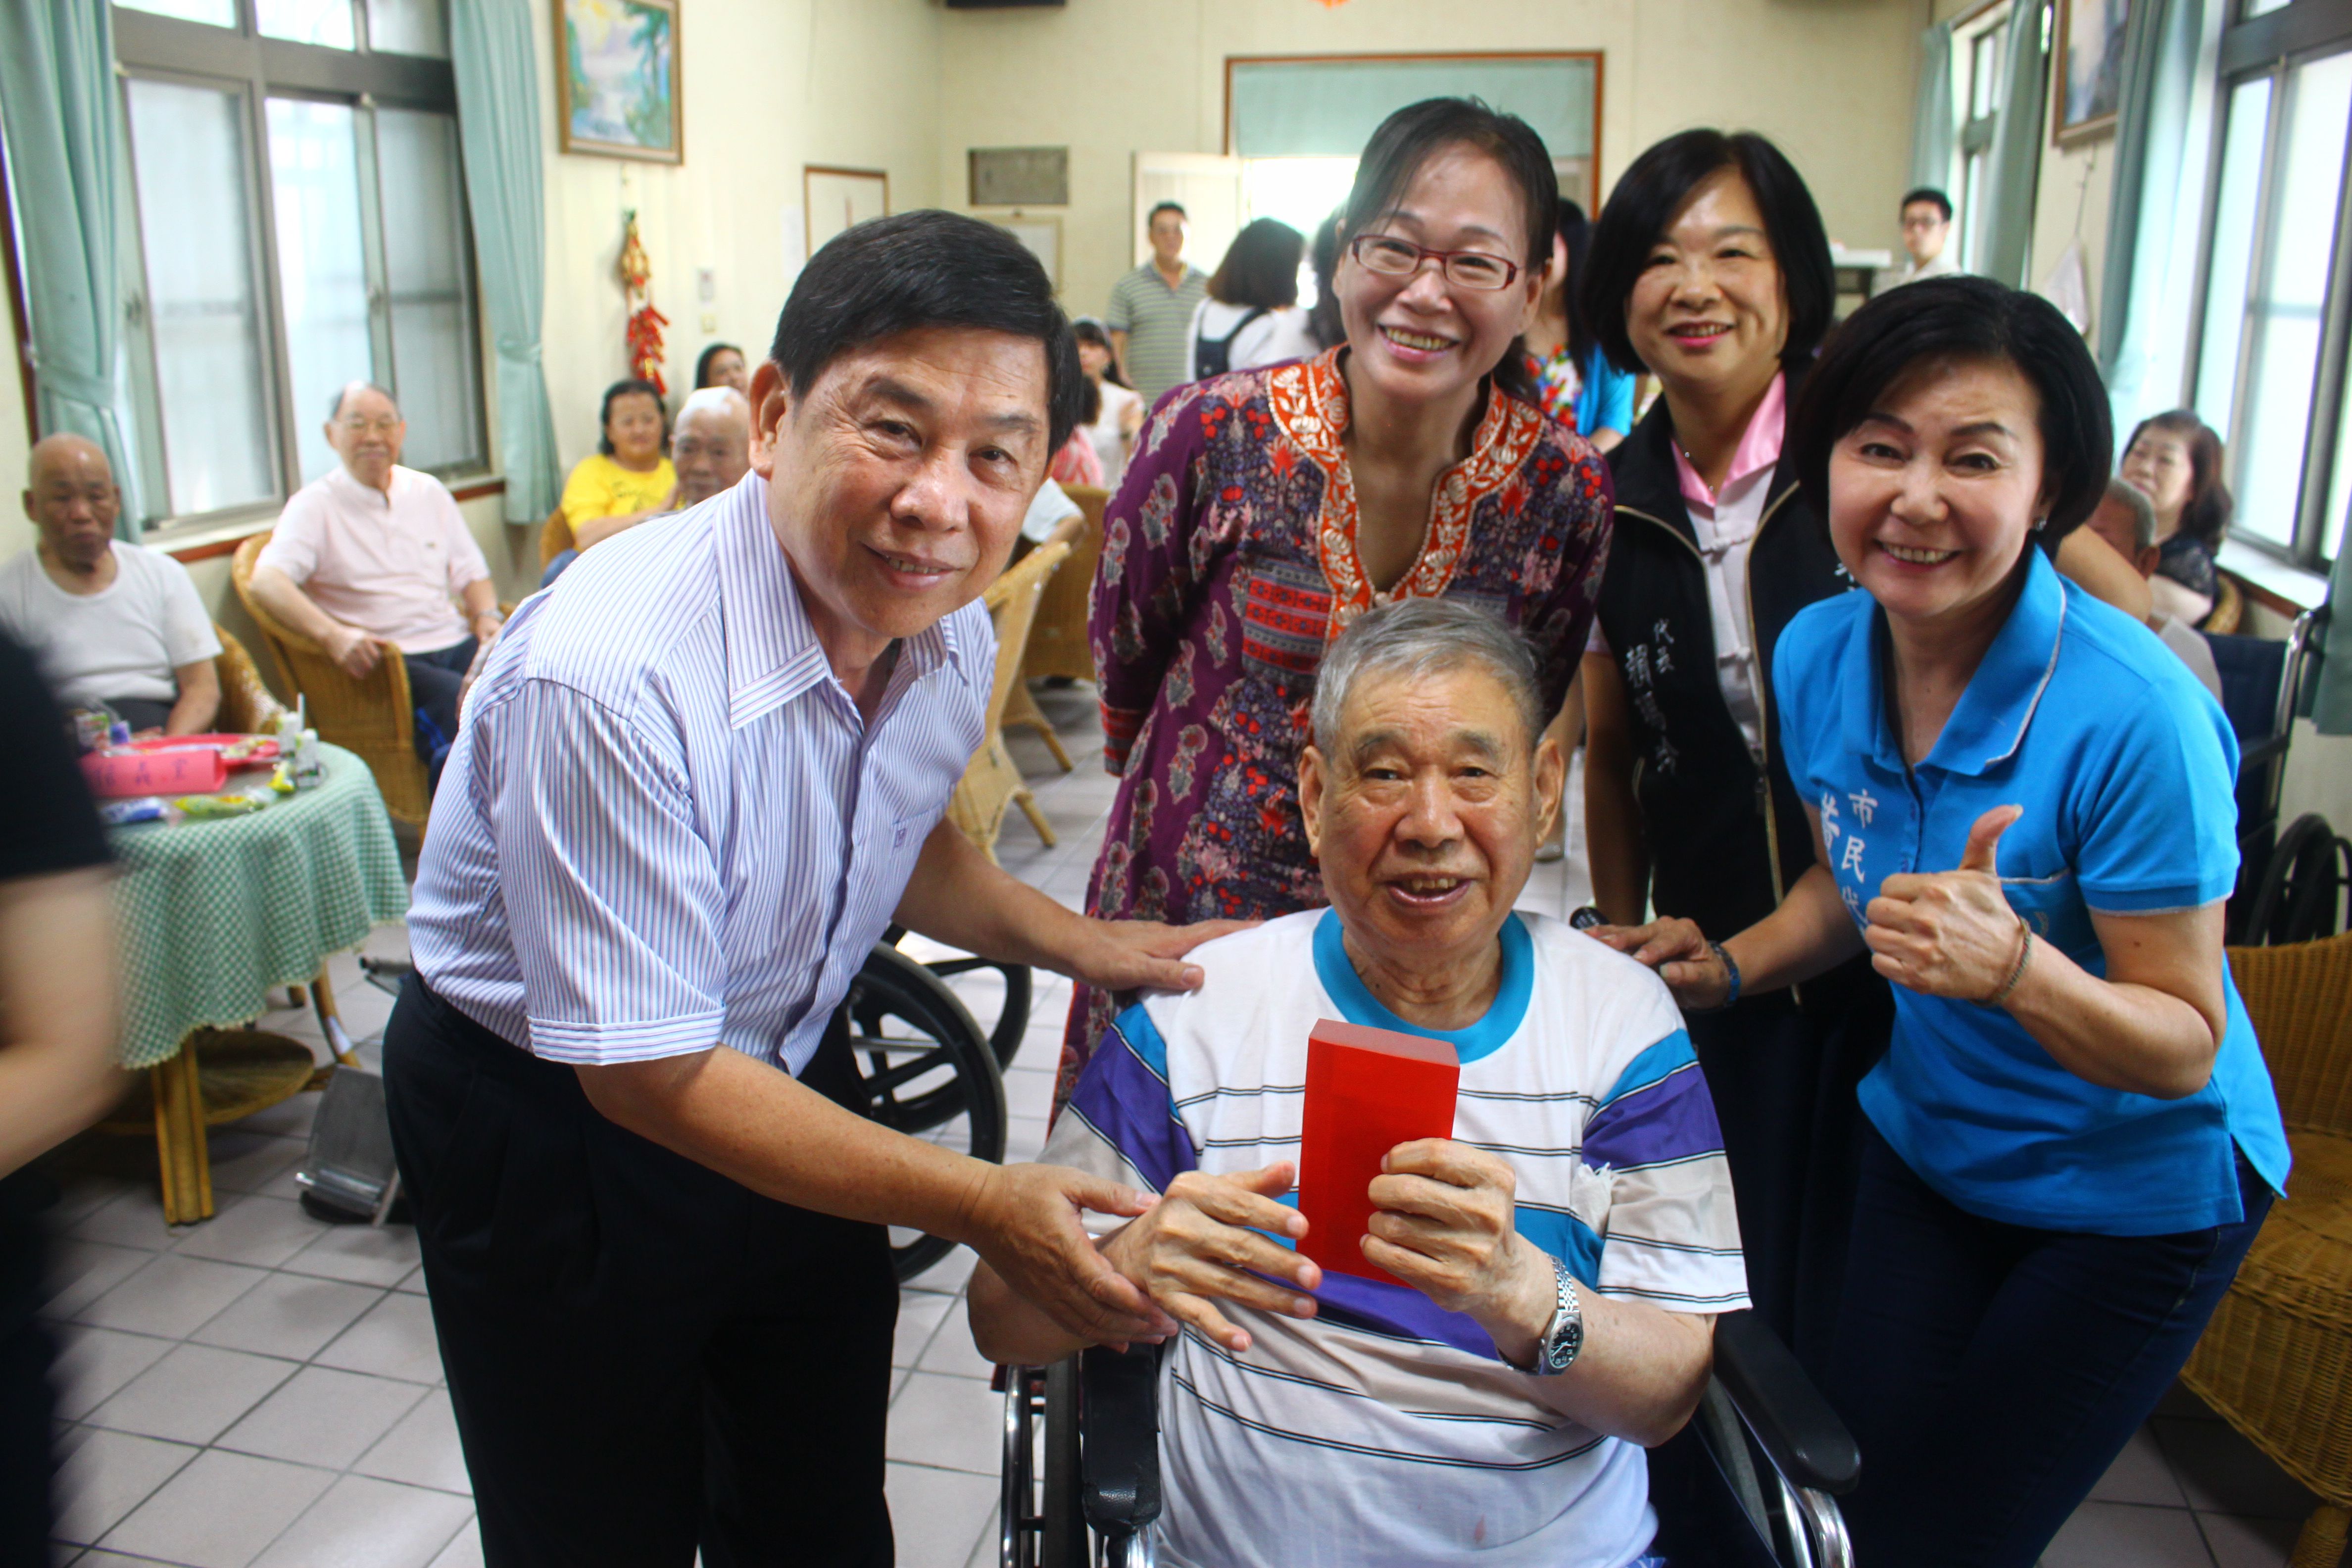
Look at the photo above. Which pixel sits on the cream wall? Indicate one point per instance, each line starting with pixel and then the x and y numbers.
pixel 1830 80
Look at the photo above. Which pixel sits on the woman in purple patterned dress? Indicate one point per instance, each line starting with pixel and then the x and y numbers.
pixel 1265 510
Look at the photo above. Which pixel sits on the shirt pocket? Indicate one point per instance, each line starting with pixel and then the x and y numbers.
pixel 2049 900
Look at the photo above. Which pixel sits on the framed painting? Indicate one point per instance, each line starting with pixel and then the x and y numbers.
pixel 616 80
pixel 2090 42
pixel 838 199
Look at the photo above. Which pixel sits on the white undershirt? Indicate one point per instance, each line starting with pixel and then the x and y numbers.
pixel 1727 532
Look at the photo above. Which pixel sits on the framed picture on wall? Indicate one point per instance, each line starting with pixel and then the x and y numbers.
pixel 837 198
pixel 2090 68
pixel 616 80
pixel 1040 237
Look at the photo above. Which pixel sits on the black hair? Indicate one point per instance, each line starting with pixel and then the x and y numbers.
pixel 1575 231
pixel 335 410
pixel 1964 320
pixel 1413 135
pixel 926 269
pixel 2205 516
pixel 1649 195
pixel 1927 193
pixel 1159 207
pixel 1087 330
pixel 1261 265
pixel 622 389
pixel 1324 319
pixel 702 362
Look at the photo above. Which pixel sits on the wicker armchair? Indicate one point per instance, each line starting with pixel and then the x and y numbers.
pixel 374 715
pixel 554 538
pixel 246 707
pixel 2276 1360
pixel 1057 643
pixel 2229 607
pixel 991 782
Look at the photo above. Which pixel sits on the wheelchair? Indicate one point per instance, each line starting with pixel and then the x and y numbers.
pixel 1750 1482
pixel 2263 684
pixel 925 1066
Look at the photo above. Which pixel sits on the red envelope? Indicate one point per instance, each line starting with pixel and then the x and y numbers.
pixel 1367 1091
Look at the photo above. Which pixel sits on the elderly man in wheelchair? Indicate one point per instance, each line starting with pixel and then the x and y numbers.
pixel 1562 1256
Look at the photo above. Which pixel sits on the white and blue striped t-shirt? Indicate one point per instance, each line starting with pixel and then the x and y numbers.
pixel 1386 1431
pixel 664 825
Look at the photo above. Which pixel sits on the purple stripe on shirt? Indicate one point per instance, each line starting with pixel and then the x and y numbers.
pixel 1672 1119
pixel 1129 1104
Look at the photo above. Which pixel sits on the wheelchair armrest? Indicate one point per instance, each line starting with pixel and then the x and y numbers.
pixel 1118 1448
pixel 1803 1436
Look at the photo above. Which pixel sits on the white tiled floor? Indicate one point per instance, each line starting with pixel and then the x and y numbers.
pixel 264 1390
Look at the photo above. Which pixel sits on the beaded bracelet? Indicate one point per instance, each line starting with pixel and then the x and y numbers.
pixel 2017 973
pixel 1731 967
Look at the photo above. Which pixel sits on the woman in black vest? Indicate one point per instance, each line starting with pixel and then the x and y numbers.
pixel 1710 270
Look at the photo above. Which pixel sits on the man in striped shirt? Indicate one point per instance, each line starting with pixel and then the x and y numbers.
pixel 698 777
pixel 1310 1418
pixel 1151 318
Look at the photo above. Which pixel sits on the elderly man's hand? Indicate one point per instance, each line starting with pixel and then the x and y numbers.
pixel 352 649
pixel 1199 1244
pixel 1678 951
pixel 1444 1224
pixel 1024 1222
pixel 1143 955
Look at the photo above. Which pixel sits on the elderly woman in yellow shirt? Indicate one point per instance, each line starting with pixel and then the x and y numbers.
pixel 627 478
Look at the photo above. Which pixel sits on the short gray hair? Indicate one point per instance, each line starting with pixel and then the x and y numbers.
pixel 1424 637
pixel 2134 499
pixel 343 393
pixel 714 400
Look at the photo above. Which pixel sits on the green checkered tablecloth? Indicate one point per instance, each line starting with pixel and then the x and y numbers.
pixel 212 914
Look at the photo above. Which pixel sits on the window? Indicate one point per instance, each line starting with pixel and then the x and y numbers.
pixel 2271 341
pixel 1976 59
pixel 298 222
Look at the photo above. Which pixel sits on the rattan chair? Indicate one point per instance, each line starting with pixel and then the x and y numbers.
pixel 2228 606
pixel 246 707
pixel 556 537
pixel 991 782
pixel 1057 643
pixel 374 715
pixel 2276 1360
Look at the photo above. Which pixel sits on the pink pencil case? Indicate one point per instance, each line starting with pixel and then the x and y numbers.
pixel 114 775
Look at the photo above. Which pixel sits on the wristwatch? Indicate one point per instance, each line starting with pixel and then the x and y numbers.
pixel 1563 1337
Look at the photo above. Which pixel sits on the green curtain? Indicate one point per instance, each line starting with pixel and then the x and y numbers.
pixel 2004 244
pixel 2331 704
pixel 2143 289
pixel 1931 118
pixel 495 60
pixel 64 130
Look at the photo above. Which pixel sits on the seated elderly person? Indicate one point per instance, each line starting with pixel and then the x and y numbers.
pixel 372 555
pixel 1315 1418
pixel 112 624
pixel 2126 518
pixel 711 448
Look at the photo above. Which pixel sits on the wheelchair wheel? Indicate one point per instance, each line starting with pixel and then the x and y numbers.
pixel 1012 1017
pixel 926 1071
pixel 1041 1411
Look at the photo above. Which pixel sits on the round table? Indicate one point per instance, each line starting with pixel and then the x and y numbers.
pixel 211 915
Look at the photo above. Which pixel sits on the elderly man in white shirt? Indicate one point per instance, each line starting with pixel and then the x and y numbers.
pixel 372 555
pixel 114 624
pixel 2127 520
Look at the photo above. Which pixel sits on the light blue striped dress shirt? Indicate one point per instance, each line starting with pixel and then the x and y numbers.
pixel 664 824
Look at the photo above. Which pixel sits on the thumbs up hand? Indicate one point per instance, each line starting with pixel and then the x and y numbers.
pixel 1949 933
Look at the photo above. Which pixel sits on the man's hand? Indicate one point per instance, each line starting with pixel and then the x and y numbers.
pixel 1199 1244
pixel 1024 1222
pixel 1949 933
pixel 352 648
pixel 1677 950
pixel 1143 955
pixel 1444 1224
pixel 486 625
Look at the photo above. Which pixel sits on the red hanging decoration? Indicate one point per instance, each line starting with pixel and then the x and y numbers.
pixel 645 323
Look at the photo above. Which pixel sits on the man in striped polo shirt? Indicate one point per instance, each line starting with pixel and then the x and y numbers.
pixel 1150 318
pixel 698 777
pixel 1562 1252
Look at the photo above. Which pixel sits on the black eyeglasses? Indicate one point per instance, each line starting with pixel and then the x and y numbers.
pixel 1393 258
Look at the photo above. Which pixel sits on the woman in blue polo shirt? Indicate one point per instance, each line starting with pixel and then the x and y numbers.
pixel 2026 818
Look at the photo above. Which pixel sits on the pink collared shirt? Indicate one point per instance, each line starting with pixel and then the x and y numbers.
pixel 391 564
pixel 1726 522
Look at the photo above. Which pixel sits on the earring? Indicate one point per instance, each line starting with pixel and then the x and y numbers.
pixel 2040 523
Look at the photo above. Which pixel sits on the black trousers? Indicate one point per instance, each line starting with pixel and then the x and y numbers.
pixel 1783 1083
pixel 645 1357
pixel 26 1461
pixel 434 679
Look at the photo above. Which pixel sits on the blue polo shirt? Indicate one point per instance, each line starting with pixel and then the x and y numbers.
pixel 2124 765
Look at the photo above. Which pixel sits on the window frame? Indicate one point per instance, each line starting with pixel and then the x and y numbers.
pixel 2271 45
pixel 150 46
